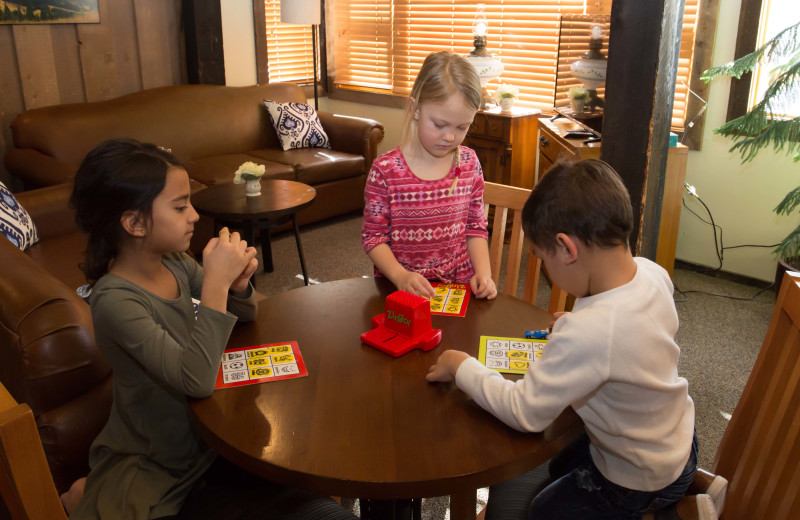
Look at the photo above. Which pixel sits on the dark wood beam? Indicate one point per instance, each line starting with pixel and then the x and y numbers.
pixel 644 44
pixel 746 39
pixel 202 28
pixel 260 29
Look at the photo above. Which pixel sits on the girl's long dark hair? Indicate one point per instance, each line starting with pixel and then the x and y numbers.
pixel 117 176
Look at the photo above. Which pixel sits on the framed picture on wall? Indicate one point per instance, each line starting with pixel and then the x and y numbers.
pixel 48 11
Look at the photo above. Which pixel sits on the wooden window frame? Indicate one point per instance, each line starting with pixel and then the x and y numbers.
pixel 703 53
pixel 746 40
pixel 703 50
pixel 262 73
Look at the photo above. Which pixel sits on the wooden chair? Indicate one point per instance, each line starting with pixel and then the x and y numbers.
pixel 504 199
pixel 759 453
pixel 26 484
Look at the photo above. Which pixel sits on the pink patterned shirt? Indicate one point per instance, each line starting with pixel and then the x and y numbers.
pixel 422 222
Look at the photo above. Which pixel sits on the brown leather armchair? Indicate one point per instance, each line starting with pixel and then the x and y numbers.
pixel 48 358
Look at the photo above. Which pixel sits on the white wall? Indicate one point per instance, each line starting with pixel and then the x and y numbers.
pixel 239 42
pixel 741 197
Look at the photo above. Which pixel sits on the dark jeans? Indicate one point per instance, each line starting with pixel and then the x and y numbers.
pixel 581 492
pixel 227 492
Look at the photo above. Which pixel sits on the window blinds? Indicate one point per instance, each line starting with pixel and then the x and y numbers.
pixel 289 47
pixel 380 44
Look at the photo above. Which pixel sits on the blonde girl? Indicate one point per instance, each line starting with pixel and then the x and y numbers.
pixel 423 214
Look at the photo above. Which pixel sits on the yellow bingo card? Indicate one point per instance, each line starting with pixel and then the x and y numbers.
pixel 249 365
pixel 450 299
pixel 511 355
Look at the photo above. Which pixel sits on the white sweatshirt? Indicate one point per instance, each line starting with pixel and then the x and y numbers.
pixel 615 361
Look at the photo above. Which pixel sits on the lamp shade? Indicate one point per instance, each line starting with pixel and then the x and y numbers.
pixel 302 12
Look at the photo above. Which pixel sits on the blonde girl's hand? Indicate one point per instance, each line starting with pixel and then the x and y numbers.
pixel 414 283
pixel 483 286
pixel 240 285
pixel 445 368
pixel 226 257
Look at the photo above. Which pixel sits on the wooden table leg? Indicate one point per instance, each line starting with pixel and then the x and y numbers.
pixel 266 250
pixel 462 505
pixel 300 249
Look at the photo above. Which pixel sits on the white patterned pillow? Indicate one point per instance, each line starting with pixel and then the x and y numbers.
pixel 297 125
pixel 15 223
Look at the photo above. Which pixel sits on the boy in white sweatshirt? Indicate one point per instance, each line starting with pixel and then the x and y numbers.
pixel 613 359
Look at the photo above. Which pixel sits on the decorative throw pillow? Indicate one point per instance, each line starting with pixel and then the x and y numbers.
pixel 297 125
pixel 15 223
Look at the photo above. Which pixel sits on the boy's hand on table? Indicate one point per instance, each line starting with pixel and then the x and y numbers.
pixel 445 368
pixel 556 315
pixel 414 283
pixel 483 286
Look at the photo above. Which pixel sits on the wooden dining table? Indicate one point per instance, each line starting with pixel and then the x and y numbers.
pixel 367 425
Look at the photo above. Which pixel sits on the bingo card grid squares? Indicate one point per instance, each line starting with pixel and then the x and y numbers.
pixel 510 355
pixel 450 299
pixel 260 364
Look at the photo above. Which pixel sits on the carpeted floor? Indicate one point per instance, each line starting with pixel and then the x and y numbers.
pixel 719 337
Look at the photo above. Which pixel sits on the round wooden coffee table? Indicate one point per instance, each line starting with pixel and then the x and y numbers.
pixel 278 204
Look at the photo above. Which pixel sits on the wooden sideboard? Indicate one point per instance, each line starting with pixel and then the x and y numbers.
pixel 503 143
pixel 553 145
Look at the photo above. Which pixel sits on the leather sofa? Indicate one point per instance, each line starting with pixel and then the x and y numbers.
pixel 48 357
pixel 212 129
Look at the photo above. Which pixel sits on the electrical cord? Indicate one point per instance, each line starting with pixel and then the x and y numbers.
pixel 699 112
pixel 719 249
pixel 740 298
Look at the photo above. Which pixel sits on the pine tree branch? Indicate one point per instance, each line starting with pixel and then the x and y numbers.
pixel 790 246
pixel 753 134
pixel 785 42
pixel 789 202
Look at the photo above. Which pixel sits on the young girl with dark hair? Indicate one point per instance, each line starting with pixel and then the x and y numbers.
pixel 133 200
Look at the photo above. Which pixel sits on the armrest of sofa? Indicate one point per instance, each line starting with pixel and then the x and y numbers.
pixel 37 169
pixel 49 209
pixel 355 135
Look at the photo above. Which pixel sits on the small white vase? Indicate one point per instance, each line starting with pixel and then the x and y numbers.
pixel 578 105
pixel 253 188
pixel 506 103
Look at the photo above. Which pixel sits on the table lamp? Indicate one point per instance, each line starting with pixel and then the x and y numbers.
pixel 486 65
pixel 305 12
pixel 590 69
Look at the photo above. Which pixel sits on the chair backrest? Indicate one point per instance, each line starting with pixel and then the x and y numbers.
pixel 26 484
pixel 760 450
pixel 504 199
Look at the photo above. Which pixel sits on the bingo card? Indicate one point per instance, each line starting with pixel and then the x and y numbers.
pixel 510 355
pixel 260 364
pixel 450 299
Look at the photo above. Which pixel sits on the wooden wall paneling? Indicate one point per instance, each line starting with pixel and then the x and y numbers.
pixel 158 40
pixel 109 53
pixel 66 52
pixel 37 67
pixel 11 102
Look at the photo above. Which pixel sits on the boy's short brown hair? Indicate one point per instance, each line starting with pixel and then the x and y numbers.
pixel 586 200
